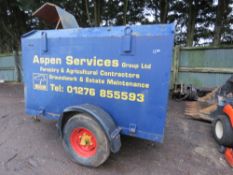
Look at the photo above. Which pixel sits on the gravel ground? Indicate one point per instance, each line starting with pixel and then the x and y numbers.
pixel 30 147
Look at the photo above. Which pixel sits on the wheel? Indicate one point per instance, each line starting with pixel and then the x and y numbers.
pixel 223 131
pixel 85 141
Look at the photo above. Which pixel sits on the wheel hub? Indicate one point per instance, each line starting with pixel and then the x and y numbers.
pixel 219 129
pixel 83 142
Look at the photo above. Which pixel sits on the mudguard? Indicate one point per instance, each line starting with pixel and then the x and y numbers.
pixel 102 117
pixel 228 110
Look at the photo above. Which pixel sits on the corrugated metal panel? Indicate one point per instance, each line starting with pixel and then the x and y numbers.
pixel 8 68
pixel 205 67
pixel 203 80
pixel 220 58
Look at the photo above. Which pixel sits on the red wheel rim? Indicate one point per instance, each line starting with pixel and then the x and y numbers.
pixel 83 142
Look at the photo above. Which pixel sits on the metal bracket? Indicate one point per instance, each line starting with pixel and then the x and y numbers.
pixel 44 42
pixel 41 112
pixel 127 40
pixel 132 128
pixel 116 132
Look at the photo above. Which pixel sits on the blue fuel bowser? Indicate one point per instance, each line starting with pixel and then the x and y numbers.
pixel 99 83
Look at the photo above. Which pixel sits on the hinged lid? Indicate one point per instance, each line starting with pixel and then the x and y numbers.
pixel 53 14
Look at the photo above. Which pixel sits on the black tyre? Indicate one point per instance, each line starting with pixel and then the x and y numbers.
pixel 222 149
pixel 85 141
pixel 223 131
